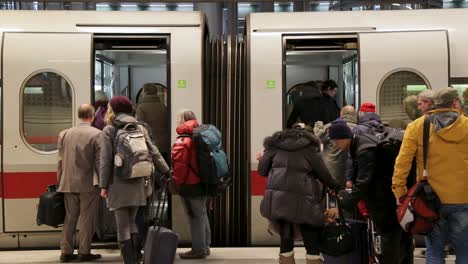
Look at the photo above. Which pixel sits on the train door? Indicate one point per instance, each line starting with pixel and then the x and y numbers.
pixel 136 66
pixel 309 61
pixel 397 64
pixel 46 76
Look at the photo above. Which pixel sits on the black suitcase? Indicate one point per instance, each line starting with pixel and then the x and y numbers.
pixel 161 243
pixel 51 210
pixel 106 228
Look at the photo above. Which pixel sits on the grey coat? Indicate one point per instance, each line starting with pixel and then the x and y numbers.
pixel 124 193
pixel 152 111
pixel 337 161
pixel 296 175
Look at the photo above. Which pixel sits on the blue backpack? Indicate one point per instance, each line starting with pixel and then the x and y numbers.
pixel 212 160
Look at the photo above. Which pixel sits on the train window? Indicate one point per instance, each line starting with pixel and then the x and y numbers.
pixel 393 90
pixel 47 109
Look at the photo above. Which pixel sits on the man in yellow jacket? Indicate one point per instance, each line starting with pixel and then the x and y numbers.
pixel 447 167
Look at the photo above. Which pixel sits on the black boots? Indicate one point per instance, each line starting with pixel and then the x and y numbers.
pixel 137 246
pixel 128 252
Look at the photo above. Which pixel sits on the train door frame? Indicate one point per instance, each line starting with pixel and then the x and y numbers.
pixel 325 36
pixel 134 37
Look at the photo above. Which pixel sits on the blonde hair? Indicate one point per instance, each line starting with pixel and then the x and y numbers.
pixel 110 115
pixel 185 115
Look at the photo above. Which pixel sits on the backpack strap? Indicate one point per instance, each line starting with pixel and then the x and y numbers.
pixel 426 130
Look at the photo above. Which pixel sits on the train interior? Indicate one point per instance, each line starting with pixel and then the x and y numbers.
pixel 123 65
pixel 318 59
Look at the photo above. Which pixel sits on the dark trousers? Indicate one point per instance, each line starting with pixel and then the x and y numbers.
pixel 310 235
pixel 397 247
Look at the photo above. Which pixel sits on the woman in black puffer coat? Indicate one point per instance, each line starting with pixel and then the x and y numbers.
pixel 297 177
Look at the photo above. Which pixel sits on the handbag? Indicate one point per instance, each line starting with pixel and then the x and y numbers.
pixel 419 209
pixel 336 239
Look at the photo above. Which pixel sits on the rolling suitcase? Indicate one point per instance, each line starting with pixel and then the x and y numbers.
pixel 161 243
pixel 51 210
pixel 106 228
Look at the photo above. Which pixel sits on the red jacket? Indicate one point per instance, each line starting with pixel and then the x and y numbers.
pixel 184 157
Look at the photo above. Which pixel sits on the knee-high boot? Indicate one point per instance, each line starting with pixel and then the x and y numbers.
pixel 137 246
pixel 128 252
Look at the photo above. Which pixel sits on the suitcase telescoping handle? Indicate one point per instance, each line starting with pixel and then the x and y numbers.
pixel 160 207
pixel 338 206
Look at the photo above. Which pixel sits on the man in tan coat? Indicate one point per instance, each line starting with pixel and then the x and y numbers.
pixel 78 164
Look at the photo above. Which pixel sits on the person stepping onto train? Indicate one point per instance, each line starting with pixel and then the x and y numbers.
pixel 293 198
pixel 78 164
pixel 186 179
pixel 128 158
pixel 372 183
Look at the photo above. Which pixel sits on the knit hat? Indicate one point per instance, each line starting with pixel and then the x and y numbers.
pixel 445 96
pixel 367 107
pixel 339 130
pixel 121 104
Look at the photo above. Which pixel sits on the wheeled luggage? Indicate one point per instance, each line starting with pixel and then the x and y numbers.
pixel 161 243
pixel 51 210
pixel 106 228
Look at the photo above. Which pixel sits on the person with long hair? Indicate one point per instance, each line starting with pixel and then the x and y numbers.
pixel 124 196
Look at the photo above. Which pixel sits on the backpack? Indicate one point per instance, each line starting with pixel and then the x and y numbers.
pixel 211 158
pixel 132 156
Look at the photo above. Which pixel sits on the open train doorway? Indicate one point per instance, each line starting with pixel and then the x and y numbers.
pixel 137 67
pixel 310 61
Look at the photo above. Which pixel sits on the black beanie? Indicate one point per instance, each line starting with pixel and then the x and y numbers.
pixel 339 130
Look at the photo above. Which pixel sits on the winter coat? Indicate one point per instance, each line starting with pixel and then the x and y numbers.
pixel 329 109
pixel 123 192
pixel 371 185
pixel 99 118
pixel 153 112
pixel 336 160
pixel 307 108
pixel 447 158
pixel 184 161
pixel 367 121
pixel 296 176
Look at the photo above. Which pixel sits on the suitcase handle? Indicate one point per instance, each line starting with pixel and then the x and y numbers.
pixel 160 208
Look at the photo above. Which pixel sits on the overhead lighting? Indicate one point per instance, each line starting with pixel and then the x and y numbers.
pixel 395 4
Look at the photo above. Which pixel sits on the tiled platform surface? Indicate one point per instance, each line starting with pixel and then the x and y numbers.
pixel 218 256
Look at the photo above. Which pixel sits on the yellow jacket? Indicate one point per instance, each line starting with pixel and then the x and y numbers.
pixel 447 160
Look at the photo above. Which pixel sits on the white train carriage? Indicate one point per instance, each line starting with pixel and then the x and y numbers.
pixel 375 56
pixel 51 62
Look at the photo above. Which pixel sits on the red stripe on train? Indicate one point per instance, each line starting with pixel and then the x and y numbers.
pixel 24 185
pixel 257 183
pixel 42 140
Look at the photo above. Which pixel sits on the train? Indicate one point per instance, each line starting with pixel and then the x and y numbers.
pixel 53 61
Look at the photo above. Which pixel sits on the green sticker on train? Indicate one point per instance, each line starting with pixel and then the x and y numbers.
pixel 182 84
pixel 271 84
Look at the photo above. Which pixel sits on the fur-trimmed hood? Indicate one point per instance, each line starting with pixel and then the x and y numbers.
pixel 291 140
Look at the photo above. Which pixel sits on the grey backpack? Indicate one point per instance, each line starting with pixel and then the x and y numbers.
pixel 132 156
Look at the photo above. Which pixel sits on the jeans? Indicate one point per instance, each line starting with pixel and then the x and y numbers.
pixel 199 223
pixel 452 227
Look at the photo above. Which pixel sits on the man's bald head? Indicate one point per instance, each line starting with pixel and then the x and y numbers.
pixel 348 109
pixel 86 112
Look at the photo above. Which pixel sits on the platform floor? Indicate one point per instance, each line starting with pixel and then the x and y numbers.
pixel 218 256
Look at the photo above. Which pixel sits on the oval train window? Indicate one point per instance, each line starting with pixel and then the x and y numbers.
pixel 393 90
pixel 47 109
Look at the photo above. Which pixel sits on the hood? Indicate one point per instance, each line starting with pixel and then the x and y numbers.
pixel 150 98
pixel 187 127
pixel 291 140
pixel 122 119
pixel 367 117
pixel 450 124
pixel 350 118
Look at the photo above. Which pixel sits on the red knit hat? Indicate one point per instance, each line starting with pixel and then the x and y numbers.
pixel 121 104
pixel 367 107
